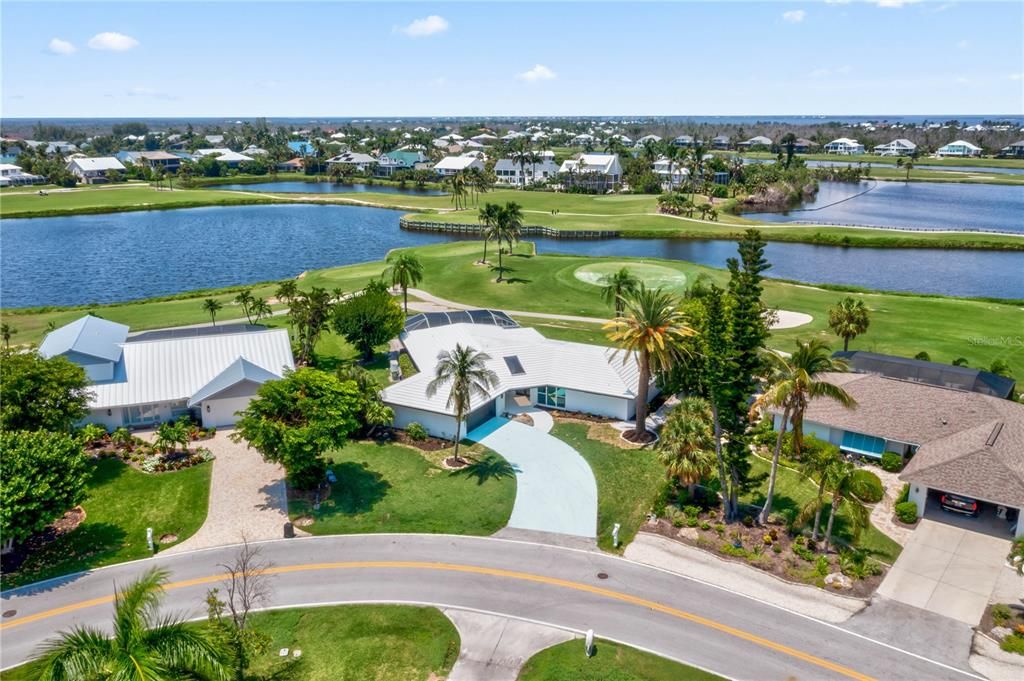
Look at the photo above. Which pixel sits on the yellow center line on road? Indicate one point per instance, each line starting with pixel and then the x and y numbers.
pixel 492 572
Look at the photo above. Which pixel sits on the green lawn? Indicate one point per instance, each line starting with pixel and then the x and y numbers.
pixel 901 324
pixel 392 488
pixel 101 199
pixel 611 662
pixel 627 482
pixel 361 642
pixel 122 503
pixel 344 643
pixel 793 491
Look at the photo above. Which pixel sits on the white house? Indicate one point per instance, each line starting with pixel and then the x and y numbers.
pixel 645 139
pixel 899 147
pixel 549 373
pixel 12 175
pixel 758 141
pixel 595 171
pixel 844 146
pixel 211 151
pixel 484 138
pixel 355 159
pixel 958 148
pixel 508 171
pixel 232 158
pixel 451 165
pixel 400 159
pixel 209 373
pixel 683 141
pixel 582 140
pixel 94 170
pixel 673 176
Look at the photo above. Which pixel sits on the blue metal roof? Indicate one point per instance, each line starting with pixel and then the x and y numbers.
pixel 304 148
pixel 89 336
pixel 238 371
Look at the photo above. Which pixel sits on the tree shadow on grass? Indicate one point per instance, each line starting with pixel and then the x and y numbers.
pixel 357 491
pixel 86 546
pixel 490 467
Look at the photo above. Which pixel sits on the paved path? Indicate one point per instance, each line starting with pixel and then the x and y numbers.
pixel 555 488
pixel 247 498
pixel 495 648
pixel 666 613
pixel 786 319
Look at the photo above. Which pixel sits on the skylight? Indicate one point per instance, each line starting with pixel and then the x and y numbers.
pixel 515 367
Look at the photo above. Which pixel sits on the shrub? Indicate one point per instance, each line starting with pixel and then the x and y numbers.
pixel 691 511
pixel 720 529
pixel 858 564
pixel 731 550
pixel 870 487
pixel 705 526
pixel 907 512
pixel 1001 614
pixel 90 433
pixel 748 521
pixel 904 494
pixel 777 548
pixel 661 501
pixel 821 566
pixel 691 522
pixel 1014 643
pixel 891 461
pixel 416 432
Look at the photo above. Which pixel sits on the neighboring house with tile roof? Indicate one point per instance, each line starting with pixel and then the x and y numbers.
pixel 957 441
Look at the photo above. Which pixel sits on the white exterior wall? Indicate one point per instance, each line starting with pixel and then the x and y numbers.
pixel 919 495
pixel 111 422
pixel 818 430
pixel 599 405
pixel 438 425
pixel 221 412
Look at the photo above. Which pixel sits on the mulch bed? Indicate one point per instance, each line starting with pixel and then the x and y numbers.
pixel 67 523
pixel 430 444
pixel 561 414
pixel 785 565
pixel 639 438
pixel 452 464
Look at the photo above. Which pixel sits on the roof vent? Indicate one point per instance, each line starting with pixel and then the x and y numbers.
pixel 994 435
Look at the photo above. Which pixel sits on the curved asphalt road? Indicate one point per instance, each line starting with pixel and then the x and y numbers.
pixel 663 612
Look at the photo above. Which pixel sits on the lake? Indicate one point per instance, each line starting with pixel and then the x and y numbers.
pixel 917 205
pixel 297 186
pixel 922 166
pixel 83 259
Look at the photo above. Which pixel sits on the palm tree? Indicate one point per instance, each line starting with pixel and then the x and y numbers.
pixel 789 142
pixel 846 487
pixel 792 383
pixel 907 165
pixel 245 300
pixel 466 370
pixel 672 154
pixel 687 442
pixel 286 291
pixel 457 186
pixel 650 331
pixel 6 331
pixel 489 215
pixel 212 306
pixel 815 465
pixel 507 230
pixel 260 309
pixel 849 318
pixel 406 270
pixel 616 286
pixel 145 646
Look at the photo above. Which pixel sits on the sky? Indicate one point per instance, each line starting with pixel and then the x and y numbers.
pixel 320 59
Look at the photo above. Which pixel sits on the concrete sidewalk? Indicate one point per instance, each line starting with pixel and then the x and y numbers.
pixel 495 648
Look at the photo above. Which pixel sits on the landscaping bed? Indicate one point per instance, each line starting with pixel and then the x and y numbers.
pixel 1004 622
pixel 150 457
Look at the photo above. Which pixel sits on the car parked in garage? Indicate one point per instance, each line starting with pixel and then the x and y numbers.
pixel 959 504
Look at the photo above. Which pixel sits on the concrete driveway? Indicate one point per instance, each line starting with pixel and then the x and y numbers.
pixel 947 568
pixel 555 488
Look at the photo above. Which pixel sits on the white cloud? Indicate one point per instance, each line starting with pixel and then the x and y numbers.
pixel 538 72
pixel 424 27
pixel 1016 76
pixel 844 69
pixel 963 45
pixel 58 46
pixel 440 81
pixel 114 42
pixel 794 16
pixel 823 72
pixel 819 73
pixel 961 80
pixel 893 4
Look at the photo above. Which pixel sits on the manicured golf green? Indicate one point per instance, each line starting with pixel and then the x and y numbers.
pixel 392 488
pixel 122 503
pixel 652 276
pixel 610 662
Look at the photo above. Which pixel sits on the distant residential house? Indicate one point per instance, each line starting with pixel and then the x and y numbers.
pixel 253 150
pixel 214 139
pixel 720 142
pixel 509 171
pixel 844 146
pixel 1015 150
pixel 200 153
pixel 233 159
pixel 94 170
pixel 13 176
pixel 959 148
pixel 472 144
pixel 640 143
pixel 53 148
pixel 802 145
pixel 599 172
pixel 755 142
pixel 452 165
pixel 393 161
pixel 152 159
pixel 671 176
pixel 582 140
pixel 898 147
pixel 355 159
pixel 293 165
pixel 302 148
pixel 484 138
pixel 208 374
pixel 683 141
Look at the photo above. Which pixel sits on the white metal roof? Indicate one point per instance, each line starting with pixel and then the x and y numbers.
pixel 98 163
pixel 592 163
pixel 576 366
pixel 177 368
pixel 233 156
pixel 455 163
pixel 90 336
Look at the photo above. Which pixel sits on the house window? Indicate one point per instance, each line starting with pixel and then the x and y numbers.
pixel 550 396
pixel 859 443
pixel 141 414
